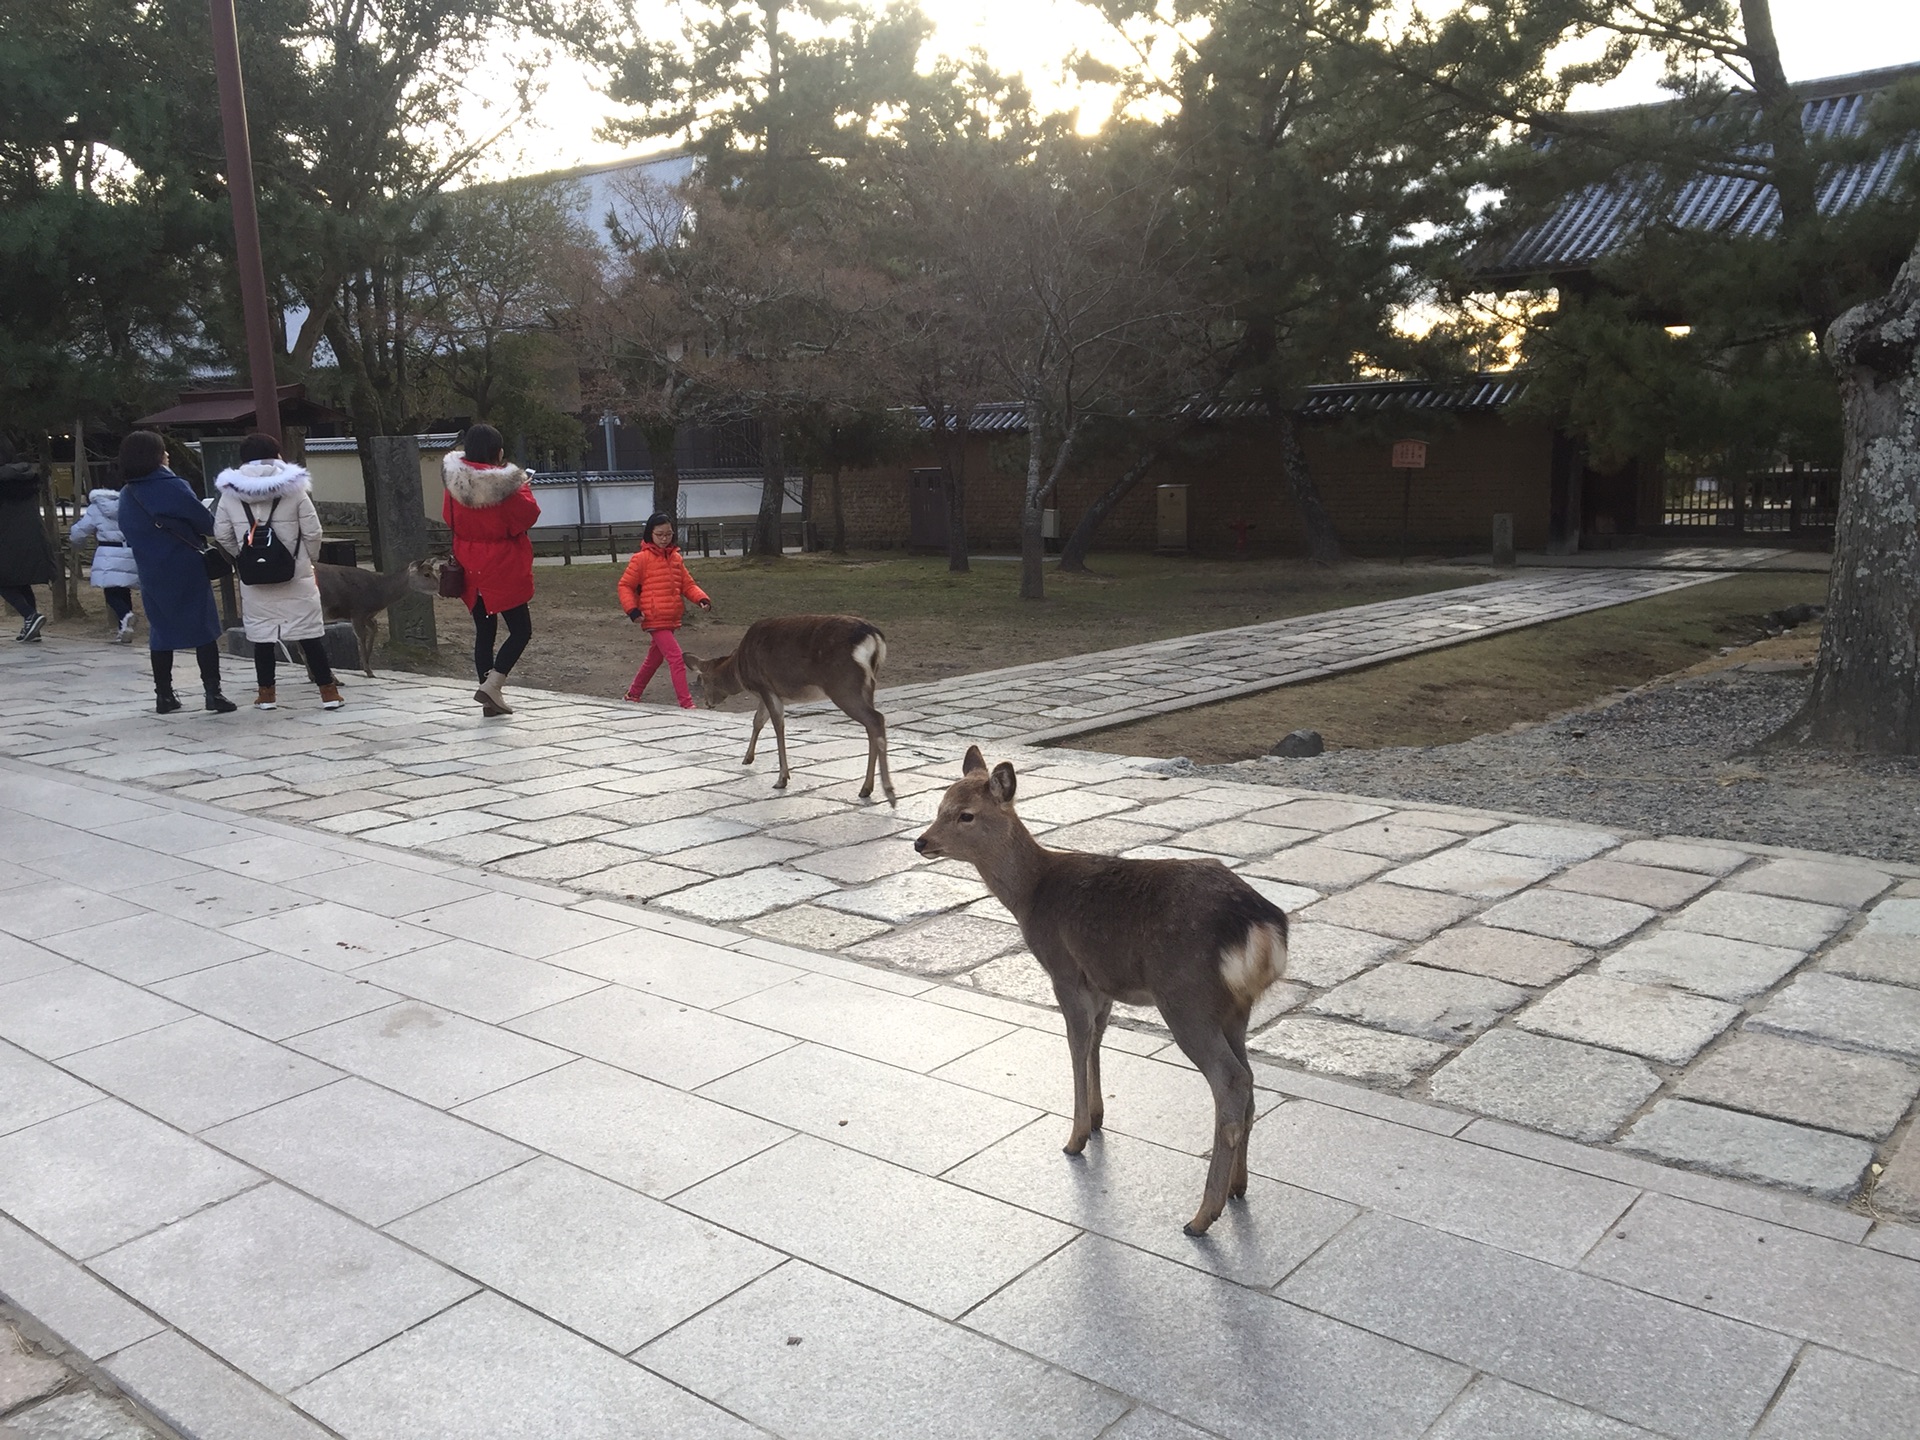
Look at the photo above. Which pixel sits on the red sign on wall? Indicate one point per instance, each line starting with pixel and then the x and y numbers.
pixel 1409 454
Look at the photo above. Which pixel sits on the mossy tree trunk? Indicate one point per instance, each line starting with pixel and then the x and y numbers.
pixel 1866 683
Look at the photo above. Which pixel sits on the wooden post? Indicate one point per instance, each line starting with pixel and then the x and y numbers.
pixel 251 272
pixel 50 524
pixel 80 488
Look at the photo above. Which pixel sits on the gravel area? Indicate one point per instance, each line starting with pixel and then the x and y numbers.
pixel 1673 758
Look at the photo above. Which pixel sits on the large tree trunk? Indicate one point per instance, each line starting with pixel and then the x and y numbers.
pixel 1033 577
pixel 1323 541
pixel 1041 488
pixel 839 516
pixel 1795 171
pixel 1073 555
pixel 1866 684
pixel 773 482
pixel 953 485
pixel 663 438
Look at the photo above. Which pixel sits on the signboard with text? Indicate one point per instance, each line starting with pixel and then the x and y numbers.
pixel 1409 454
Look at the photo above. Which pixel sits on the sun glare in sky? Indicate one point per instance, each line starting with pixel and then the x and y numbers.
pixel 1034 37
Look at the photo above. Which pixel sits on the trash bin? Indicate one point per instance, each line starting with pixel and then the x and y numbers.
pixel 339 552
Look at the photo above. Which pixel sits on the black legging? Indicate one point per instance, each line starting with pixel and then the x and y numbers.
pixel 267 652
pixel 119 600
pixel 21 598
pixel 485 630
pixel 209 657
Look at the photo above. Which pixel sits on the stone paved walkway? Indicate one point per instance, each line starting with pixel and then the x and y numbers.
pixel 44 1397
pixel 1709 1004
pixel 1055 700
pixel 1681 557
pixel 307 1136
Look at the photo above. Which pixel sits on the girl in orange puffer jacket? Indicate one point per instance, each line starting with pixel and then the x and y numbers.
pixel 651 593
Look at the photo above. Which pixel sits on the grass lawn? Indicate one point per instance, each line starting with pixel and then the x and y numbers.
pixel 1483 686
pixel 937 624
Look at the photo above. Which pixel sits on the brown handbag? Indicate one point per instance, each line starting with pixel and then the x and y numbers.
pixel 453 580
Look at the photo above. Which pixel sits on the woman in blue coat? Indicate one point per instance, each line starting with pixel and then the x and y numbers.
pixel 165 524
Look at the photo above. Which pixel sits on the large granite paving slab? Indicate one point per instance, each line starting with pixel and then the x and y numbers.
pixel 1579 1091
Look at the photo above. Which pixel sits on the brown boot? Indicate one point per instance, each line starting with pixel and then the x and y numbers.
pixel 330 697
pixel 489 695
pixel 264 699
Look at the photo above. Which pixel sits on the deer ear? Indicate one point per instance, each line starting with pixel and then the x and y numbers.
pixel 974 761
pixel 1001 785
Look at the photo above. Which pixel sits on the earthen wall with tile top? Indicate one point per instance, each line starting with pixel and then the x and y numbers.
pixel 1478 466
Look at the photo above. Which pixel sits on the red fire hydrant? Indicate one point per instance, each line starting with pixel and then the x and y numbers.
pixel 1240 529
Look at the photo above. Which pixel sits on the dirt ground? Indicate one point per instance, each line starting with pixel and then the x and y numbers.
pixel 1686 755
pixel 937 624
pixel 1486 686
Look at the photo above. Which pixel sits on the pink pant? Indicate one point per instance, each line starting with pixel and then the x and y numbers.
pixel 665 647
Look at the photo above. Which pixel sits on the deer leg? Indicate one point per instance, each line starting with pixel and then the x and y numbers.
pixel 753 740
pixel 1237 1038
pixel 1080 1006
pixel 778 712
pixel 1096 1098
pixel 363 633
pixel 1207 1045
pixel 860 710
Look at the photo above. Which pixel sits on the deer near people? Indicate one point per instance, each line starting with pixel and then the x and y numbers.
pixel 1190 936
pixel 350 593
pixel 805 657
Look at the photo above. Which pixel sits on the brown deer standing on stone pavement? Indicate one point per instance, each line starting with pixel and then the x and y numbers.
pixel 1189 935
pixel 805 657
pixel 350 593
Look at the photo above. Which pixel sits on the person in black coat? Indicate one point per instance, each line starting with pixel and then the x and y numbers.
pixel 26 559
pixel 166 527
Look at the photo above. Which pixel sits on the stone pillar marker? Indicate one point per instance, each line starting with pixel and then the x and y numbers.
pixel 396 514
pixel 1503 539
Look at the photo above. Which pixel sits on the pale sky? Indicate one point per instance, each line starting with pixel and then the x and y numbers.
pixel 1817 37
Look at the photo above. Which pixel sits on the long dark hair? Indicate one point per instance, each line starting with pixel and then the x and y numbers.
pixel 483 445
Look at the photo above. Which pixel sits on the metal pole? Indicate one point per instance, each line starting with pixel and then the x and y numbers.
pixel 246 219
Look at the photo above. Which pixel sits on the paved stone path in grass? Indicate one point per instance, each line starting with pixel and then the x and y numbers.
pixel 1057 699
pixel 307 1136
pixel 1682 557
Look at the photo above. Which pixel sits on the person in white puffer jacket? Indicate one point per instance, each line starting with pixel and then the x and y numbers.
pixel 267 490
pixel 112 572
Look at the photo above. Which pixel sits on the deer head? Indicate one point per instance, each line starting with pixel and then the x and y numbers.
pixel 976 822
pixel 424 575
pixel 717 679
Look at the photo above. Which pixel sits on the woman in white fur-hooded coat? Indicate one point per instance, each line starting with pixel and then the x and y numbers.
pixel 279 492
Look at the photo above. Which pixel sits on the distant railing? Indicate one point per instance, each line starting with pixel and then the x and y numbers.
pixel 593 512
pixel 1788 501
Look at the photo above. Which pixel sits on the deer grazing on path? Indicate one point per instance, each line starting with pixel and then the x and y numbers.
pixel 356 595
pixel 805 657
pixel 1190 936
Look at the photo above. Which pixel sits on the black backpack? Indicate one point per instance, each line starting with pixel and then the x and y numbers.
pixel 264 558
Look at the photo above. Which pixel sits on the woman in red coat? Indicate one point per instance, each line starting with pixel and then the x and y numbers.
pixel 490 508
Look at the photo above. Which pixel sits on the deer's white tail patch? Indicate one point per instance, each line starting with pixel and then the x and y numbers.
pixel 1249 967
pixel 870 653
